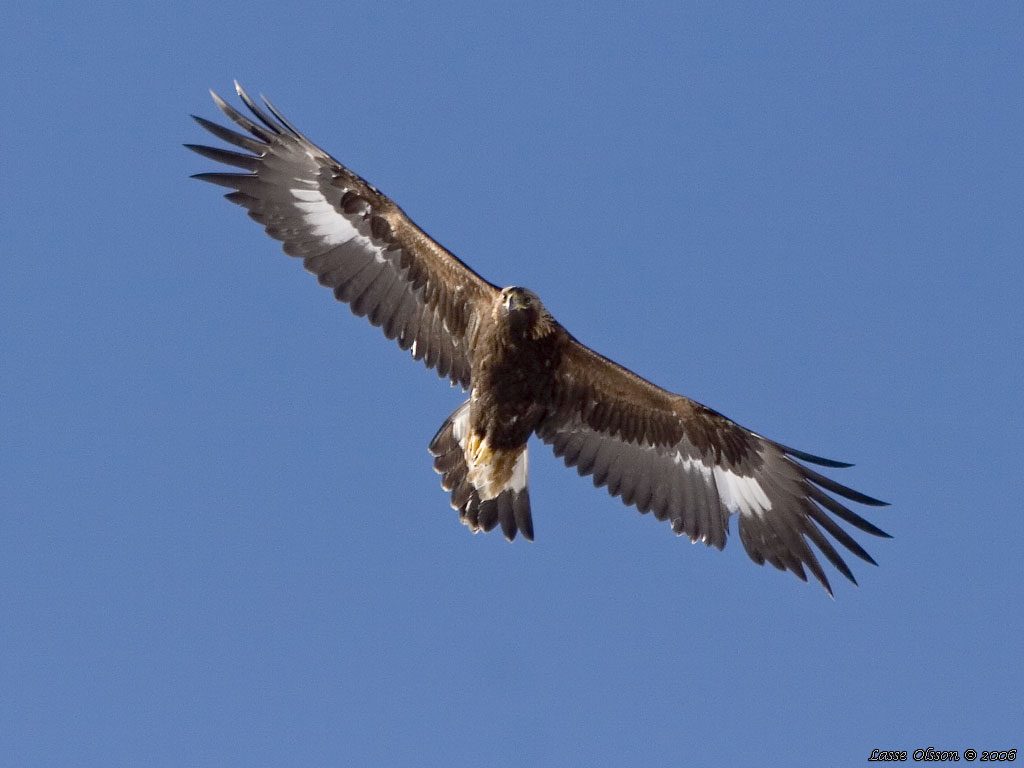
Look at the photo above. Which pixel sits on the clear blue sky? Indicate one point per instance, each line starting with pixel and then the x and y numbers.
pixel 221 539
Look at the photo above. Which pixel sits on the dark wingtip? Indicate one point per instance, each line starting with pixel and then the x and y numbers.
pixel 819 460
pixel 870 501
pixel 869 559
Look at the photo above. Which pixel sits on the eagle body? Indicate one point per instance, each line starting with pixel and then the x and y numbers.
pixel 661 452
pixel 513 379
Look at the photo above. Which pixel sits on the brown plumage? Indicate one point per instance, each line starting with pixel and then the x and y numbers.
pixel 662 453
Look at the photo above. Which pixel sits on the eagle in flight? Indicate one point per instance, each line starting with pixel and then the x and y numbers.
pixel 660 452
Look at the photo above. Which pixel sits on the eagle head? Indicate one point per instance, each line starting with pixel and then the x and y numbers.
pixel 523 312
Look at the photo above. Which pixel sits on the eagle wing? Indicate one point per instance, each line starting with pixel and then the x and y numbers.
pixel 667 454
pixel 353 238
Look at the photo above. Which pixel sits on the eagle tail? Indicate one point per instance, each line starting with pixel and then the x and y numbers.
pixel 507 505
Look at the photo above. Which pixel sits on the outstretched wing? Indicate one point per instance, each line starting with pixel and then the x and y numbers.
pixel 666 454
pixel 353 238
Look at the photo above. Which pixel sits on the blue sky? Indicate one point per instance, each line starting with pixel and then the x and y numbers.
pixel 221 539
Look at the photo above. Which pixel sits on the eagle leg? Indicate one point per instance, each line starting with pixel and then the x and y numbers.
pixel 470 475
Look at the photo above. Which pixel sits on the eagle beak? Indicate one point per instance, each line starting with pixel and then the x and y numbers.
pixel 516 301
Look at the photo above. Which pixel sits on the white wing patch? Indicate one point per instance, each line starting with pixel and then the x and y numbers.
pixel 325 221
pixel 739 493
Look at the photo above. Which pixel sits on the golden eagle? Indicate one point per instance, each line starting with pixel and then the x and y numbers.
pixel 661 452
